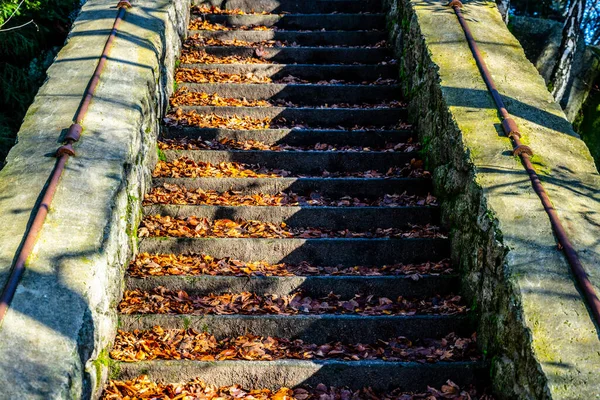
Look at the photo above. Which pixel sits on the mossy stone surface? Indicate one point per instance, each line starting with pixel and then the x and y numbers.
pixel 534 324
pixel 63 316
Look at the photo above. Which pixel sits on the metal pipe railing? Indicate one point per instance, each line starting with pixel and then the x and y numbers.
pixel 511 129
pixel 62 156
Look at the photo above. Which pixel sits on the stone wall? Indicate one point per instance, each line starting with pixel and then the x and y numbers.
pixel 533 326
pixel 54 339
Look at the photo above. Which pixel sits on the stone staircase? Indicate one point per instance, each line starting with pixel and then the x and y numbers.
pixel 290 211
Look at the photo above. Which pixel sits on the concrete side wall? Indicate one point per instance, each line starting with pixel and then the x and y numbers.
pixel 534 326
pixel 53 339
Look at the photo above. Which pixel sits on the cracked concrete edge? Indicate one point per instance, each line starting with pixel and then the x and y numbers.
pixel 534 324
pixel 62 319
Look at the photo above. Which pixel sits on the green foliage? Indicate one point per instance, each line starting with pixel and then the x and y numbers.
pixel 588 124
pixel 161 154
pixel 25 54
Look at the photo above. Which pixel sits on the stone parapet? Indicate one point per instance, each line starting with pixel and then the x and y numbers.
pixel 534 326
pixel 54 338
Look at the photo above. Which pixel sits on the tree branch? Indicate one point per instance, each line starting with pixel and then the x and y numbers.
pixel 19 26
pixel 13 14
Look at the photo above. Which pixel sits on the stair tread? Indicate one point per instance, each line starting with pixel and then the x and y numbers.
pixel 304 55
pixel 316 286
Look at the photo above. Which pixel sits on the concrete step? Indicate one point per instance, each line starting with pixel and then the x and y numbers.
pixel 304 55
pixel 329 22
pixel 335 251
pixel 295 6
pixel 310 72
pixel 333 187
pixel 321 117
pixel 300 162
pixel 294 137
pixel 337 218
pixel 318 328
pixel 314 286
pixel 313 38
pixel 379 375
pixel 304 94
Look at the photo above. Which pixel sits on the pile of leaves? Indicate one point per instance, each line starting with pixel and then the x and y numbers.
pixel 178 344
pixel 224 11
pixel 164 301
pixel 192 118
pixel 193 75
pixel 185 97
pixel 202 41
pixel 194 227
pixel 146 265
pixel 199 56
pixel 200 24
pixel 179 118
pixel 192 56
pixel 143 388
pixel 175 194
pixel 187 168
pixel 213 75
pixel 232 144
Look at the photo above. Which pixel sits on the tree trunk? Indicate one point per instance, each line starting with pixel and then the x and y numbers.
pixel 571 33
pixel 504 7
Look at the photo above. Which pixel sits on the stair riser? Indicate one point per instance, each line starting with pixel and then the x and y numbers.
pixel 302 94
pixel 313 116
pixel 353 218
pixel 379 375
pixel 295 6
pixel 318 329
pixel 347 252
pixel 333 187
pixel 305 55
pixel 329 22
pixel 317 38
pixel 313 73
pixel 301 162
pixel 295 137
pixel 314 286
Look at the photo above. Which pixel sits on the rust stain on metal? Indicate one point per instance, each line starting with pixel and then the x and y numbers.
pixel 62 154
pixel 524 152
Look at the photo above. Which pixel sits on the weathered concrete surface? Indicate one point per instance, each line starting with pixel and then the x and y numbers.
pixel 301 162
pixel 316 328
pixel 62 316
pixel 296 137
pixel 330 251
pixel 307 94
pixel 326 186
pixel 376 374
pixel 533 320
pixel 314 286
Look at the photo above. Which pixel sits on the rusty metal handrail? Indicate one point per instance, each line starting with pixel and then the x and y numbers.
pixel 62 155
pixel 511 129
